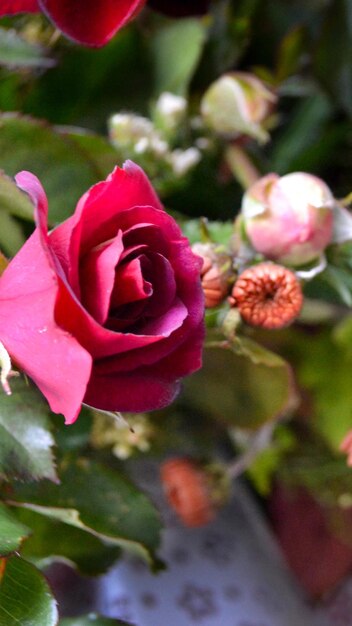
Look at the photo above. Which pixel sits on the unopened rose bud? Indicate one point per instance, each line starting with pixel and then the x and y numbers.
pixel 193 491
pixel 216 273
pixel 267 295
pixel 289 219
pixel 238 103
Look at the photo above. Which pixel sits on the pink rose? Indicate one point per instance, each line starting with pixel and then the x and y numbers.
pixel 107 308
pixel 89 22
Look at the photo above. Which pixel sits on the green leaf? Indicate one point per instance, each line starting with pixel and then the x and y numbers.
pixel 340 280
pixel 25 437
pixel 65 170
pixel 332 58
pixel 92 619
pixel 290 53
pixel 324 370
pixel 52 541
pixel 263 469
pixel 322 471
pixel 95 148
pixel 246 390
pixel 77 436
pixel 227 39
pixel 219 232
pixel 12 532
pixel 97 500
pixel 59 97
pixel 173 68
pixel 15 52
pixel 342 335
pixel 13 200
pixel 303 130
pixel 25 597
pixel 11 234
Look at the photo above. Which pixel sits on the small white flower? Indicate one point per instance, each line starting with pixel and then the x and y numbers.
pixel 170 109
pixel 184 160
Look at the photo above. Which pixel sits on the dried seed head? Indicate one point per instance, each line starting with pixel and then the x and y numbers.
pixel 267 295
pixel 188 491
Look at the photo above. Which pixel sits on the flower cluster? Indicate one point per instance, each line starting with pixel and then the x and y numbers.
pixel 152 141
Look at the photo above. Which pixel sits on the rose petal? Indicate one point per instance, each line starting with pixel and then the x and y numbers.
pixel 166 324
pixel 97 216
pixel 161 276
pixel 146 235
pixel 33 187
pixel 130 284
pixel 103 210
pixel 191 330
pixel 98 278
pixel 55 361
pixel 99 341
pixel 100 211
pixel 147 388
pixel 136 391
pixel 175 362
pixel 11 7
pixel 90 22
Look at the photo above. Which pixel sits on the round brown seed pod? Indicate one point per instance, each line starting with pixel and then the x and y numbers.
pixel 267 295
pixel 188 492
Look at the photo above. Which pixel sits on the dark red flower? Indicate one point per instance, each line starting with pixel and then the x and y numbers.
pixel 180 8
pixel 108 307
pixel 89 22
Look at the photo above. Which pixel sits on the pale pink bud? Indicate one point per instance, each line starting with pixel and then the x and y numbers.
pixel 237 104
pixel 289 219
